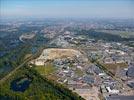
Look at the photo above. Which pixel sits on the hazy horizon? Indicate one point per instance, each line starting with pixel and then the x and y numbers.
pixel 67 8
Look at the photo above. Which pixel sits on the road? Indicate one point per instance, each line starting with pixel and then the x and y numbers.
pixel 27 60
pixel 13 71
pixel 21 65
pixel 127 89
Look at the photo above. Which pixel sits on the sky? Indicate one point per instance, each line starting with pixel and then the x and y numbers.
pixel 67 8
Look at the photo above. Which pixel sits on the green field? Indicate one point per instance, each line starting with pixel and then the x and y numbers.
pixel 79 72
pixel 46 69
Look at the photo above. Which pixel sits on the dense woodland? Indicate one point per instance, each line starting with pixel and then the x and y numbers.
pixel 39 89
pixel 102 36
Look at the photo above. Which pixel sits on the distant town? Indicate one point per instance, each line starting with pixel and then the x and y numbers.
pixel 93 58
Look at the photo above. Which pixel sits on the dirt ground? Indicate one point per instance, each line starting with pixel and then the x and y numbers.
pixel 59 53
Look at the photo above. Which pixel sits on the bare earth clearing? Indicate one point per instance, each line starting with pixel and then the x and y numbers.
pixel 56 53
